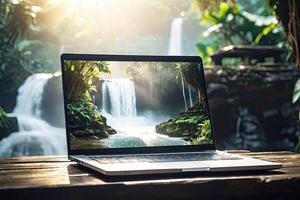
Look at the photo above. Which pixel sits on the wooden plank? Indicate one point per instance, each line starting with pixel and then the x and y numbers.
pixel 32 159
pixel 39 176
pixel 21 175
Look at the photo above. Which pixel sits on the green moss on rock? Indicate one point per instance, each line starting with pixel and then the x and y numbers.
pixel 185 124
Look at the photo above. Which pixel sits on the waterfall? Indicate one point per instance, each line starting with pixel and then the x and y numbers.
pixel 121 94
pixel 175 48
pixel 119 107
pixel 183 91
pixel 35 136
pixel 30 95
pixel 175 37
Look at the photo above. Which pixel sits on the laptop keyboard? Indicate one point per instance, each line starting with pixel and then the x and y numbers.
pixel 171 157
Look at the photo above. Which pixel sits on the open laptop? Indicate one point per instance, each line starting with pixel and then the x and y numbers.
pixel 129 115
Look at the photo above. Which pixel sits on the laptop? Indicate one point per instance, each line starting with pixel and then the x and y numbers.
pixel 132 115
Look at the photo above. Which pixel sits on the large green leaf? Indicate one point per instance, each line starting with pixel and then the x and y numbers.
pixel 268 29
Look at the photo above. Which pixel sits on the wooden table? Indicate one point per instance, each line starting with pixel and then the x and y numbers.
pixel 54 177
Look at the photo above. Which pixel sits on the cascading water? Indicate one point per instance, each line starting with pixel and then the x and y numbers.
pixel 175 49
pixel 119 107
pixel 30 95
pixel 121 94
pixel 175 37
pixel 35 136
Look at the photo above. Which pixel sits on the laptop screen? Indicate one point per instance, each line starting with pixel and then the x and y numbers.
pixel 125 104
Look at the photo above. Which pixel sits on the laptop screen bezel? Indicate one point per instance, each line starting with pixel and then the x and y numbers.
pixel 134 150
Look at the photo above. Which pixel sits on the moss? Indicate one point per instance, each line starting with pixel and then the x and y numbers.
pixel 185 124
pixel 86 121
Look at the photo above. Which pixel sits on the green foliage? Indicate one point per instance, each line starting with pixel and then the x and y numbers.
pixel 14 23
pixel 231 24
pixel 80 77
pixel 205 135
pixel 22 37
pixel 296 92
pixel 82 112
pixel 80 82
pixel 296 97
pixel 180 68
pixel 20 54
pixel 193 120
pixel 3 119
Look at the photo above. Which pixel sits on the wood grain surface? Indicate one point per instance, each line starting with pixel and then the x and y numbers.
pixel 54 177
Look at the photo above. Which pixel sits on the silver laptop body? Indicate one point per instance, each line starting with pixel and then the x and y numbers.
pixel 130 115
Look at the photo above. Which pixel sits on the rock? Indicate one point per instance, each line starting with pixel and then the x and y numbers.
pixel 185 124
pixel 265 91
pixel 110 130
pixel 11 79
pixel 83 133
pixel 101 129
pixel 11 127
pixel 101 133
pixel 52 102
pixel 97 125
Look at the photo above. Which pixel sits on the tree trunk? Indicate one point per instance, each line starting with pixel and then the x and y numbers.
pixel 288 12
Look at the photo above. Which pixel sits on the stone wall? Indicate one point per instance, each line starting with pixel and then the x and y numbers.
pixel 254 97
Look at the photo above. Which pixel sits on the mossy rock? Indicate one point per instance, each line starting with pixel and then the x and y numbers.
pixel 185 124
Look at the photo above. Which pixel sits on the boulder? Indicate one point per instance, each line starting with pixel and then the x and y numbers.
pixel 101 133
pixel 52 102
pixel 10 127
pixel 83 133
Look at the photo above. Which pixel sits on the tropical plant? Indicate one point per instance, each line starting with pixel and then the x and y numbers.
pixel 21 52
pixel 80 82
pixel 80 77
pixel 82 112
pixel 228 24
pixel 204 133
pixel 18 26
pixel 14 24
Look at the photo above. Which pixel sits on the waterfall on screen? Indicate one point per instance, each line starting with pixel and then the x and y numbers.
pixel 121 94
pixel 119 107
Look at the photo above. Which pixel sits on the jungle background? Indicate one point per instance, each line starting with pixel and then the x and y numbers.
pixel 35 32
